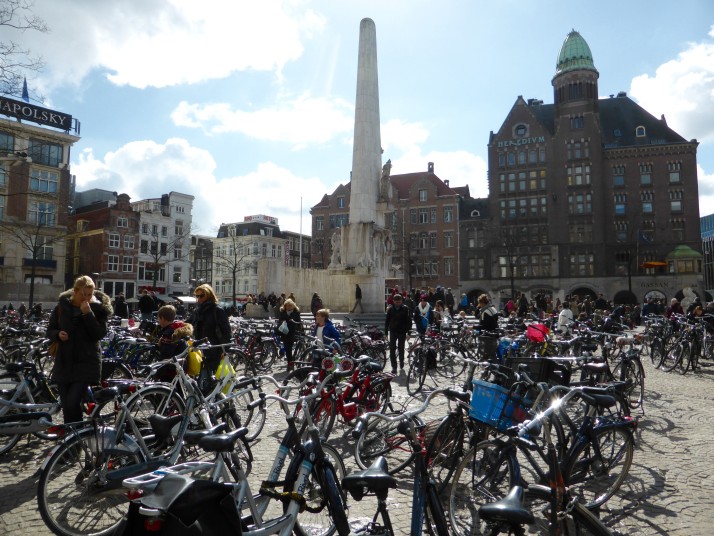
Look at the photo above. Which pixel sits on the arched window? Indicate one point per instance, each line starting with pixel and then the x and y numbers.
pixel 640 132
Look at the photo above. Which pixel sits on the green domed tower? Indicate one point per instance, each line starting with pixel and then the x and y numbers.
pixel 575 73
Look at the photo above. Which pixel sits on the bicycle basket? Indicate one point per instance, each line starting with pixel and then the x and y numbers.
pixel 497 406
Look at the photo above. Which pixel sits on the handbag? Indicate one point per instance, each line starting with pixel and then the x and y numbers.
pixel 283 328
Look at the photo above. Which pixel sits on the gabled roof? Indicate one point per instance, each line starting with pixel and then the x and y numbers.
pixel 405 182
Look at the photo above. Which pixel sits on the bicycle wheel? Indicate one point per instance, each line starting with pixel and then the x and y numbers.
pixel 9 384
pixel 449 364
pixel 672 358
pixel 684 363
pixel 694 352
pixel 484 475
pixel 115 370
pixel 74 495
pixel 323 413
pixel 417 371
pixel 596 469
pixel 633 374
pixel 321 494
pixel 375 398
pixel 578 521
pixel 381 438
pixel 155 399
pixel 265 355
pixel 445 450
pixel 657 353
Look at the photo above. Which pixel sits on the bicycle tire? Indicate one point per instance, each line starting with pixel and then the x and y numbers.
pixel 445 450
pixel 9 383
pixel 450 364
pixel 376 398
pixel 484 475
pixel 381 438
pixel 595 474
pixel 252 419
pixel 69 492
pixel 694 352
pixel 416 375
pixel 154 399
pixel 317 521
pixel 265 354
pixel 632 372
pixel 323 414
pixel 579 521
pixel 657 353
pixel 684 363
pixel 673 356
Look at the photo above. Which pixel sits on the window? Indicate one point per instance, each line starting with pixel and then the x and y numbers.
pixel 640 132
pixel 423 215
pixel 532 156
pixel 422 195
pixel 341 202
pixel 521 157
pixel 127 264
pixel 7 142
pixel 580 203
pixel 43 181
pixel 676 206
pixel 581 233
pixel 176 274
pixel 577 122
pixel 144 246
pixel 114 240
pixel 618 181
pixel 449 239
pixel 521 130
pixel 164 248
pixel 620 204
pixel 674 177
pixel 128 242
pixel 164 231
pixel 154 230
pixel 178 228
pixel 582 264
pixel 433 214
pixel 123 221
pixel 432 240
pixel 423 241
pixel 448 214
pixel 178 253
pixel 2 208
pixel 47 154
pixel 45 249
pixel 112 263
pixel 320 223
pixel 144 228
pixel 448 266
pixel 511 159
pixel 40 213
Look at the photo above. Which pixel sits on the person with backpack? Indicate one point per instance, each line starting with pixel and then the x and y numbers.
pixel 172 333
pixel 488 324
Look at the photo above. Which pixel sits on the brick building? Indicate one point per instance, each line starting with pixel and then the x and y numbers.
pixel 589 195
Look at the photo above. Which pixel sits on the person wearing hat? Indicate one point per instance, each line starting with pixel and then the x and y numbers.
pixel 397 323
pixel 423 314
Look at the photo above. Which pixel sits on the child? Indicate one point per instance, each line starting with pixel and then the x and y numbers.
pixel 172 332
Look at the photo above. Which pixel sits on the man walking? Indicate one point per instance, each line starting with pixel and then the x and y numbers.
pixel 397 324
pixel 358 300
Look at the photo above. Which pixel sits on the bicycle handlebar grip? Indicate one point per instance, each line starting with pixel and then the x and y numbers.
pixel 257 402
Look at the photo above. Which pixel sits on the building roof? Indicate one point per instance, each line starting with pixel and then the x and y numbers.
pixel 619 118
pixel 574 55
pixel 405 182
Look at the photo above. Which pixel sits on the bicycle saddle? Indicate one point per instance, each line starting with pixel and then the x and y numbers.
pixel 222 442
pixel 509 509
pixel 374 479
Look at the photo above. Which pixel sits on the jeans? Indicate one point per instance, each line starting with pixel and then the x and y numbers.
pixel 395 339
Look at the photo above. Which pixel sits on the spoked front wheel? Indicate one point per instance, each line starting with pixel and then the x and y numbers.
pixel 417 371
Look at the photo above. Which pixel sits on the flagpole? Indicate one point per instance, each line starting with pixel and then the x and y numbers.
pixel 301 232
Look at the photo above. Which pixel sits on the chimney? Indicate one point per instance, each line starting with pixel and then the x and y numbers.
pixel 446 181
pixel 430 167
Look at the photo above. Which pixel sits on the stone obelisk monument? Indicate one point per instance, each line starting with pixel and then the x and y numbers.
pixel 363 247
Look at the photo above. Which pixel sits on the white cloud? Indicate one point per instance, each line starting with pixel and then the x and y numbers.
pixel 706 192
pixel 297 121
pixel 683 90
pixel 158 44
pixel 146 169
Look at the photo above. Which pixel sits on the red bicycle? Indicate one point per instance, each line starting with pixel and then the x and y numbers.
pixel 367 389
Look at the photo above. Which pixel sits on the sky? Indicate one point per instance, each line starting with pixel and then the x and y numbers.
pixel 249 105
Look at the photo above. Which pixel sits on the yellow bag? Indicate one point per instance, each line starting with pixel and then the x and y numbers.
pixel 194 362
pixel 225 369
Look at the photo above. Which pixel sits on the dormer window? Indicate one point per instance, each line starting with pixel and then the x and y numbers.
pixel 640 132
pixel 521 130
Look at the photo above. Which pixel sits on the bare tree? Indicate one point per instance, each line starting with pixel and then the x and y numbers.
pixel 16 60
pixel 236 258
pixel 37 237
pixel 163 250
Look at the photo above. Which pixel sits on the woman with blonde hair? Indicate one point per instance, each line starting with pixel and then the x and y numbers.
pixel 78 322
pixel 290 315
pixel 210 321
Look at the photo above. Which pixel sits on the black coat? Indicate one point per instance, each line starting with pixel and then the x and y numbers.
pixel 294 323
pixel 210 321
pixel 398 320
pixel 121 308
pixel 79 359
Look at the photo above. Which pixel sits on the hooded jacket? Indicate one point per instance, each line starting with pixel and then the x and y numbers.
pixel 172 338
pixel 79 359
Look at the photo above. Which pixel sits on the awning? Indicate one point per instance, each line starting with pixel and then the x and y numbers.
pixel 164 298
pixel 653 264
pixel 185 299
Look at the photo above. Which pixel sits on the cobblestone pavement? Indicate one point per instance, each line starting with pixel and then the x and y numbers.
pixel 669 491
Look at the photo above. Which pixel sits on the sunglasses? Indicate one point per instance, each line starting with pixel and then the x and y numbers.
pixel 200 295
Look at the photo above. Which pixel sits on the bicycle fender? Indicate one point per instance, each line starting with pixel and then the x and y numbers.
pixel 108 442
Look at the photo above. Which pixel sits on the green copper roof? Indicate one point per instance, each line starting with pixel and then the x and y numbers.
pixel 683 252
pixel 574 55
